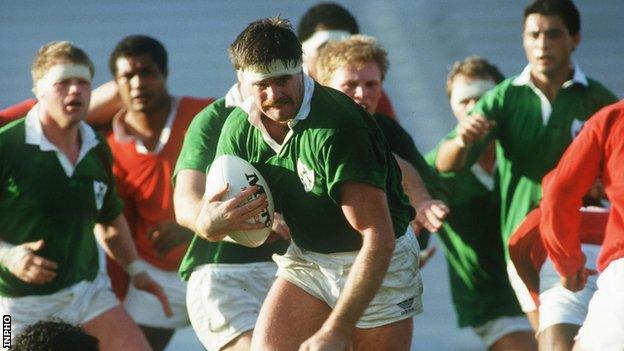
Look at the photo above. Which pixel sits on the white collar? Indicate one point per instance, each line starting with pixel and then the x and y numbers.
pixel 35 136
pixel 233 97
pixel 254 114
pixel 122 135
pixel 525 77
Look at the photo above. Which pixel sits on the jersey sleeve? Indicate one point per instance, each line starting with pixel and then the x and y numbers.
pixel 563 190
pixel 490 106
pixel 402 144
pixel 356 155
pixel 202 136
pixel 113 205
pixel 231 138
pixel 472 157
pixel 16 111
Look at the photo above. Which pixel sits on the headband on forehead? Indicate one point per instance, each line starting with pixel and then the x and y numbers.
pixel 471 90
pixel 321 37
pixel 253 74
pixel 58 73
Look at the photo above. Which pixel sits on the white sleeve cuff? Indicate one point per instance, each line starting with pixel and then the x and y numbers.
pixel 136 267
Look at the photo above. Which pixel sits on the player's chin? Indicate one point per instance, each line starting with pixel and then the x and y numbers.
pixel 280 114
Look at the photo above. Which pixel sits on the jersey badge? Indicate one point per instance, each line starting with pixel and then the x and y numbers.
pixel 99 189
pixel 306 175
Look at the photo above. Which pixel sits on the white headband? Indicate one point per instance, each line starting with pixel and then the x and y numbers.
pixel 253 74
pixel 473 89
pixel 321 37
pixel 58 73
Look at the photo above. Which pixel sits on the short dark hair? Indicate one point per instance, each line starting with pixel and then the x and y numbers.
pixel 474 67
pixel 565 9
pixel 135 45
pixel 54 335
pixel 326 16
pixel 263 42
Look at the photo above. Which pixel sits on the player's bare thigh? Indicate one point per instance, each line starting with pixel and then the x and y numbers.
pixel 288 317
pixel 240 343
pixel 394 336
pixel 116 331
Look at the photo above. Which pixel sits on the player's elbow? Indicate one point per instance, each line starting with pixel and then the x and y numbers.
pixel 382 242
pixel 182 217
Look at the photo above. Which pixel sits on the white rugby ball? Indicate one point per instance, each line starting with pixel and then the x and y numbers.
pixel 241 174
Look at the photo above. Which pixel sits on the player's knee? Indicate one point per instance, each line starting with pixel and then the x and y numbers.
pixel 559 337
pixel 240 343
pixel 517 341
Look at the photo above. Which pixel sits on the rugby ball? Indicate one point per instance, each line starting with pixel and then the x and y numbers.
pixel 240 174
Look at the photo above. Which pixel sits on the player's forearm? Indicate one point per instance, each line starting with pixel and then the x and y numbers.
pixel 412 183
pixel 105 103
pixel 187 197
pixel 365 278
pixel 115 239
pixel 451 156
pixel 563 190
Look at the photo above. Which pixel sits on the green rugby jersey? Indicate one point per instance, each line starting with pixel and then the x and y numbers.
pixel 338 141
pixel 38 200
pixel 402 144
pixel 202 135
pixel 531 139
pixel 198 151
pixel 472 244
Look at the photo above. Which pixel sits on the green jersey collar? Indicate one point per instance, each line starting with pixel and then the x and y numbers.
pixel 35 136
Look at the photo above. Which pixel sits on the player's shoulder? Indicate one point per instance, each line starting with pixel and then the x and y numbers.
pixel 216 108
pixel 507 87
pixel 600 93
pixel 236 121
pixel 608 117
pixel 13 131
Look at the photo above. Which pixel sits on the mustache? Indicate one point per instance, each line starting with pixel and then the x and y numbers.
pixel 276 103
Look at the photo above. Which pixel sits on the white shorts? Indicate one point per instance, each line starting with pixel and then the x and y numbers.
pixel 493 330
pixel 224 300
pixel 603 328
pixel 324 277
pixel 147 310
pixel 522 292
pixel 76 305
pixel 559 305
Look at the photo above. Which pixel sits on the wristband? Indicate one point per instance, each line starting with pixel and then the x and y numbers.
pixel 459 142
pixel 136 267
pixel 10 255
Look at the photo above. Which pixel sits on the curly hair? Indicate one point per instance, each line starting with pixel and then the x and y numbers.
pixel 357 49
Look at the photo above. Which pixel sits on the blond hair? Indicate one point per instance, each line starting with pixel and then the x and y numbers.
pixel 51 53
pixel 473 67
pixel 357 49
